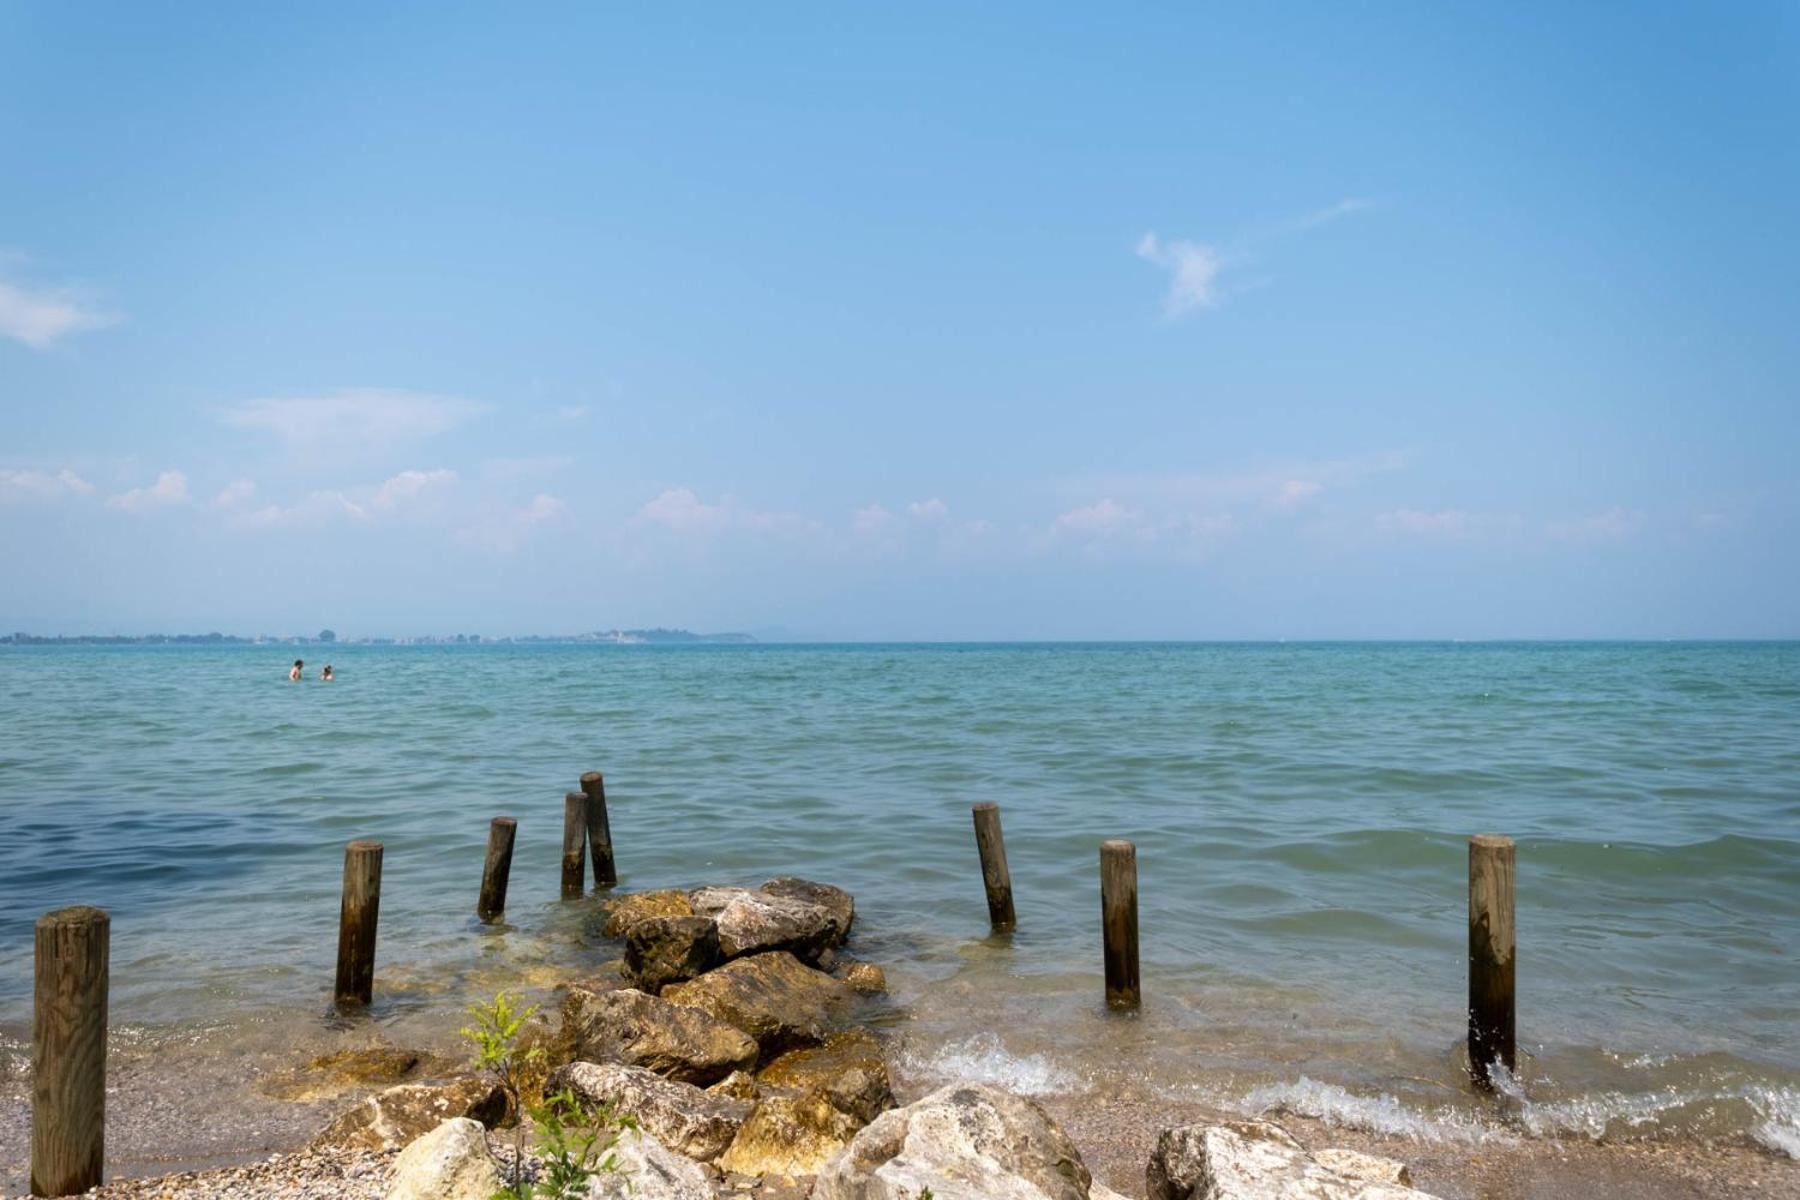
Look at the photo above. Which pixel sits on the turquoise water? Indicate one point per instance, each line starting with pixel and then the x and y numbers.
pixel 1300 813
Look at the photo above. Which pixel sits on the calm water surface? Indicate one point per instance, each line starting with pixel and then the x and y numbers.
pixel 1300 814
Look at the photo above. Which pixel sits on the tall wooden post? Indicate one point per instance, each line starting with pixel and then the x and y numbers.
pixel 1490 956
pixel 497 868
pixel 599 833
pixel 1119 923
pixel 574 854
pixel 357 918
pixel 68 1052
pixel 994 876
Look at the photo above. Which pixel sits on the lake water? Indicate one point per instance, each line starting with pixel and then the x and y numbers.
pixel 1300 813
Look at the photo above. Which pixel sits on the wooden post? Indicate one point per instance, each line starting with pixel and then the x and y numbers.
pixel 574 868
pixel 357 919
pixel 1119 924
pixel 68 1052
pixel 496 869
pixel 1490 956
pixel 994 875
pixel 599 833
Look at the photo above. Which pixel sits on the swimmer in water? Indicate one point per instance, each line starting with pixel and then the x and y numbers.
pixel 325 675
pixel 294 675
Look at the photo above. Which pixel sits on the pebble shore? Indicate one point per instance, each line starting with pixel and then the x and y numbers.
pixel 302 1175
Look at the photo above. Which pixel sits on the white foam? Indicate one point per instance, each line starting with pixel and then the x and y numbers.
pixel 1338 1107
pixel 983 1059
pixel 1779 1128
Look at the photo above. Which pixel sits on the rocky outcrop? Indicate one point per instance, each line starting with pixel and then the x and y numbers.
pixel 839 903
pixel 395 1117
pixel 963 1142
pixel 682 1117
pixel 1259 1160
pixel 682 1042
pixel 789 1135
pixel 775 998
pixel 755 922
pixel 452 1162
pixel 645 1169
pixel 620 913
pixel 847 1069
pixel 660 950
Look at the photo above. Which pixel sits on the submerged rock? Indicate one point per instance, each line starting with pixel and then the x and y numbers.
pixel 847 1069
pixel 1259 1160
pixel 963 1142
pixel 684 1043
pixel 684 1118
pixel 755 922
pixel 452 1162
pixel 391 1119
pixel 789 1135
pixel 620 913
pixel 864 977
pixel 648 1170
pixel 775 998
pixel 839 903
pixel 661 950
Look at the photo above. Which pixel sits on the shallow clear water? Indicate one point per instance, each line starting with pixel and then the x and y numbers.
pixel 1300 813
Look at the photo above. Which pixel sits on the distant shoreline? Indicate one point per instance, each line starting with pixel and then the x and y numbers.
pixel 611 637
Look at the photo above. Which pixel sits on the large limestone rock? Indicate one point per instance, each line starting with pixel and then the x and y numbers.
pixel 681 1116
pixel 775 998
pixel 661 950
pixel 789 1135
pixel 839 903
pixel 1259 1160
pixel 967 1141
pixel 684 1043
pixel 648 1170
pixel 754 922
pixel 452 1162
pixel 847 1069
pixel 622 912
pixel 391 1119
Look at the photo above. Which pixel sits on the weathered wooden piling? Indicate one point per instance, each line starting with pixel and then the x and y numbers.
pixel 574 866
pixel 994 875
pixel 357 919
pixel 68 1051
pixel 497 868
pixel 1490 956
pixel 599 833
pixel 1119 923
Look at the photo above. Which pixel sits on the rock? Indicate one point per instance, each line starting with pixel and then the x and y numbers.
pixel 839 903
pixel 847 1069
pixel 609 976
pixel 1259 1160
pixel 789 1135
pixel 963 1142
pixel 774 998
pixel 738 1086
pixel 1371 1168
pixel 684 1043
pixel 661 950
pixel 649 1170
pixel 679 1115
pixel 754 922
pixel 376 1064
pixel 452 1162
pixel 620 913
pixel 391 1119
pixel 865 978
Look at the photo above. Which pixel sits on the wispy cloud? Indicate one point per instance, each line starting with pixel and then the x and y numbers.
pixel 40 317
pixel 1195 268
pixel 503 532
pixel 235 494
pixel 171 487
pixel 1444 523
pixel 1104 516
pixel 396 496
pixel 409 485
pixel 682 511
pixel 1614 524
pixel 354 418
pixel 42 485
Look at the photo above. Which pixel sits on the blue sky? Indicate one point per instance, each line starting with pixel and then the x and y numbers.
pixel 1025 322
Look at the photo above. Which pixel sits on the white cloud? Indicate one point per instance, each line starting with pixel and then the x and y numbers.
pixel 1348 206
pixel 1446 523
pixel 929 510
pixel 1294 492
pixel 235 494
pixel 681 510
pixel 39 317
pixel 41 485
pixel 1105 516
pixel 353 418
pixel 1613 525
pixel 871 521
pixel 170 488
pixel 505 531
pixel 1192 269
pixel 318 508
pixel 409 485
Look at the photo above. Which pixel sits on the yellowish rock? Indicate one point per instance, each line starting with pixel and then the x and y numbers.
pixel 789 1136
pixel 622 912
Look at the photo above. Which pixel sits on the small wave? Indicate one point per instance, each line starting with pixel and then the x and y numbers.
pixel 982 1058
pixel 1779 1128
pixel 1338 1107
